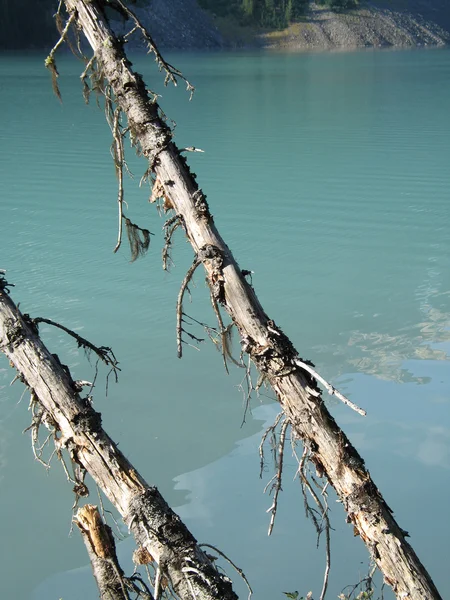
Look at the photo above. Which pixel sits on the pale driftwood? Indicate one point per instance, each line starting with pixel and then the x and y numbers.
pixel 156 528
pixel 270 350
pixel 101 548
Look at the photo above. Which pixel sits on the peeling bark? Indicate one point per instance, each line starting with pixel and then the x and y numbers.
pixel 156 528
pixel 269 348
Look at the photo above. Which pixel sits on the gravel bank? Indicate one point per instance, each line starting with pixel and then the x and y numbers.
pixel 366 27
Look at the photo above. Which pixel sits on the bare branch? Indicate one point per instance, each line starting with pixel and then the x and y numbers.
pixel 184 284
pixel 50 60
pixel 83 76
pixel 235 567
pixel 171 72
pixel 118 155
pixel 269 430
pixel 104 353
pixel 170 226
pixel 330 389
pixel 324 523
pixel 278 476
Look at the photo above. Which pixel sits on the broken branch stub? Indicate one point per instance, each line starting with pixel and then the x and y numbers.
pixel 78 430
pixel 101 549
pixel 269 348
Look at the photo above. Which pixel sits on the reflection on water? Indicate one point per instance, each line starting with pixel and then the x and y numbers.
pixel 383 354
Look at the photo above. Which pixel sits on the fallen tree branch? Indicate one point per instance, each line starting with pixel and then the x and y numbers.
pixel 78 431
pixel 103 353
pixel 269 348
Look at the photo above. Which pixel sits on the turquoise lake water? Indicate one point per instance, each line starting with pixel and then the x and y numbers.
pixel 328 176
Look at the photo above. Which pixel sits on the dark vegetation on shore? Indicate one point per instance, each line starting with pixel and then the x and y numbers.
pixel 269 13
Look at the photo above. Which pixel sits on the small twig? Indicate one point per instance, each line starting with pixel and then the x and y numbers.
pixel 224 332
pixel 235 567
pixel 184 284
pixel 191 149
pixel 330 389
pixel 250 388
pixel 38 413
pixel 84 74
pixel 169 229
pixel 278 476
pixel 268 431
pixel 50 60
pixel 118 163
pixel 310 512
pixel 62 39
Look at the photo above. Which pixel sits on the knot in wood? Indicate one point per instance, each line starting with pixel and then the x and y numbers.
pixel 364 498
pixel 201 206
pixel 15 333
pixel 212 253
pixel 87 420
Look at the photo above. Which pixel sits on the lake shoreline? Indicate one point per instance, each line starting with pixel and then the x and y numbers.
pixel 184 25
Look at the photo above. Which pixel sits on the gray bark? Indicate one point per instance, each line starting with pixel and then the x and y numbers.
pixel 269 348
pixel 154 525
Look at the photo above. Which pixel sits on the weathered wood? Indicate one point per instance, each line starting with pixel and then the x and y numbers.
pixel 266 344
pixel 101 548
pixel 154 525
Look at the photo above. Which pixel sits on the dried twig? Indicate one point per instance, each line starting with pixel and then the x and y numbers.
pixel 37 420
pixel 170 226
pixel 191 149
pixel 246 387
pixel 278 476
pixel 269 430
pixel 83 76
pixel 118 155
pixel 104 353
pixel 184 284
pixel 50 60
pixel 330 389
pixel 324 524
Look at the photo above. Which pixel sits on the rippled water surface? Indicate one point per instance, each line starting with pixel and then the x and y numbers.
pixel 328 175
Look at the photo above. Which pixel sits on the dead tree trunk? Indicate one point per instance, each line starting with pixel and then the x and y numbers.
pixel 101 548
pixel 268 347
pixel 77 429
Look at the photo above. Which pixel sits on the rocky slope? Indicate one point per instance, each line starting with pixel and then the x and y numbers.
pixel 180 24
pixel 368 26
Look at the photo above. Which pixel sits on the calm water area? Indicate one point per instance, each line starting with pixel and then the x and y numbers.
pixel 328 176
